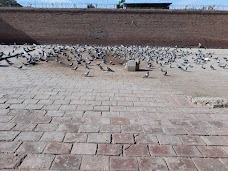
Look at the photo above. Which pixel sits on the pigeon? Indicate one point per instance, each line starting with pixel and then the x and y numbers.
pixel 109 69
pixel 86 74
pixel 71 64
pixel 146 75
pixel 211 66
pixel 75 68
pixel 101 68
pixel 20 67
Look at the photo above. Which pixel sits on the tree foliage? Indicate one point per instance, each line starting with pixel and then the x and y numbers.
pixel 9 3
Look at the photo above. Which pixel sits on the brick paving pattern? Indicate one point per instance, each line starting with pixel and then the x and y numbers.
pixel 55 120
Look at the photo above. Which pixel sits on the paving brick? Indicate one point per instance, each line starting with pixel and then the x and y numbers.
pixel 146 139
pixel 212 151
pixel 33 106
pixel 84 148
pixel 10 161
pixel 89 128
pixel 119 138
pixel 174 131
pixel 120 121
pixel 217 131
pixel 5 106
pixel 224 161
pixel 94 103
pixel 8 135
pixel 4 111
pixel 9 147
pixel 180 164
pixel 117 108
pixel 75 137
pixel 5 119
pixel 214 140
pixel 199 124
pixel 95 163
pixel 195 131
pixel 23 119
pixel 68 107
pixel 55 113
pixel 101 108
pixel 24 127
pixel 73 114
pixel 153 129
pixel 136 150
pixel 37 161
pixel 77 102
pixel 178 122
pixel 67 162
pixel 192 140
pixel 88 97
pixel 85 107
pixel 99 138
pixel 109 149
pixel 207 164
pixel 2 101
pixel 92 114
pixel 57 97
pixel 45 102
pixel 31 147
pixel 51 107
pixel 152 163
pixel 6 126
pixel 162 150
pixel 187 151
pixel 41 119
pixel 42 97
pixel 29 136
pixel 16 112
pixel 169 139
pixel 61 102
pixel 225 148
pixel 109 103
pixel 110 114
pixel 46 127
pixel 68 127
pixel 123 163
pixel 52 136
pixel 132 128
pixel 58 148
pixel 80 121
pixel 61 120
pixel 30 101
pixel 110 128
pixel 218 124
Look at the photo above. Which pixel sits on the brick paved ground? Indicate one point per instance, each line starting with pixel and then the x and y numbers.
pixel 51 118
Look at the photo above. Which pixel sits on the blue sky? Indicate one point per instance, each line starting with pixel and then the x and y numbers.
pixel 175 2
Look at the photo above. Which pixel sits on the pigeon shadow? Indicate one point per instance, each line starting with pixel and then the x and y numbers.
pixel 11 35
pixel 143 70
pixel 4 65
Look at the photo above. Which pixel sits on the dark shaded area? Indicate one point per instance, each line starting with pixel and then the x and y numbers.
pixel 9 3
pixel 10 35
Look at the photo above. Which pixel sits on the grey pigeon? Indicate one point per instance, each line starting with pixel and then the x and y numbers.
pixel 86 74
pixel 109 69
pixel 146 75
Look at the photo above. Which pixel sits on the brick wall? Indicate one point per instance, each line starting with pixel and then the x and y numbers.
pixel 97 26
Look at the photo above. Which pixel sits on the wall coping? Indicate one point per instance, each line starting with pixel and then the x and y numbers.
pixel 124 11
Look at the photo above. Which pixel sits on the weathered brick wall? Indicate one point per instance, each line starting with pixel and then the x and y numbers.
pixel 97 26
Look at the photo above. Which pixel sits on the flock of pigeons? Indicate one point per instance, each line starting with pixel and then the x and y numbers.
pixel 75 56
